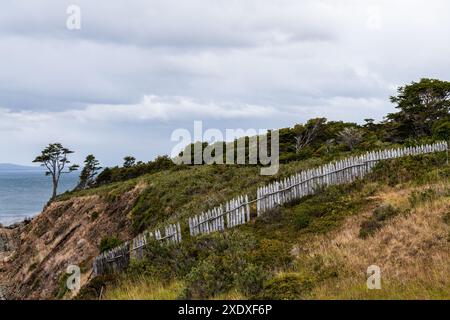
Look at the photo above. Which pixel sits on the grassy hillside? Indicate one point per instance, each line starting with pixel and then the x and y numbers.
pixel 320 247
pixel 183 191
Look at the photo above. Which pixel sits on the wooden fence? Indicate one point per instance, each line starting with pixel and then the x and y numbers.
pixel 237 211
pixel 118 259
pixel 343 171
pixel 114 260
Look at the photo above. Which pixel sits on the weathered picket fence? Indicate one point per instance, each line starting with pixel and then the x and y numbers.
pixel 237 211
pixel 114 260
pixel 118 259
pixel 172 234
pixel 344 171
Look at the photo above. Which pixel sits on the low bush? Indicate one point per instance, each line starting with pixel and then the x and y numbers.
pixel 161 262
pixel 273 254
pixel 379 216
pixel 302 220
pixel 212 276
pixel 368 228
pixel 250 281
pixel 97 286
pixel 219 262
pixel 321 267
pixel 418 197
pixel 272 216
pixel 324 211
pixel 62 288
pixel 385 212
pixel 108 243
pixel 411 168
pixel 287 287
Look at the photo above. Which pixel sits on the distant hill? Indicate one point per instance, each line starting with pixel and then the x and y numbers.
pixel 16 167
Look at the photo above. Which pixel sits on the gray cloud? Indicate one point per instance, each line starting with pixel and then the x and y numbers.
pixel 140 68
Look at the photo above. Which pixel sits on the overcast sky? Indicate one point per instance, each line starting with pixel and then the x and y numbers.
pixel 138 69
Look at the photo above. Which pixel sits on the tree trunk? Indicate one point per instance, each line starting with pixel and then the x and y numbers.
pixel 55 188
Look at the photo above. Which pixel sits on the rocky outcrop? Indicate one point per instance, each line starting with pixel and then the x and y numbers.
pixel 7 246
pixel 5 241
pixel 36 255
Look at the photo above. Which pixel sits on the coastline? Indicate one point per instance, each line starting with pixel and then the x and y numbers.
pixel 13 222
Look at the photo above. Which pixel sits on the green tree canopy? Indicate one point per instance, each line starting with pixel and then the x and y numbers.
pixel 55 159
pixel 90 170
pixel 421 104
pixel 129 161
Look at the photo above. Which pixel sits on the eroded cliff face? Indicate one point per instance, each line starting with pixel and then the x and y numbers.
pixel 6 242
pixel 35 256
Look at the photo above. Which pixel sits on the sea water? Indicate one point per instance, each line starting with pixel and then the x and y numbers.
pixel 23 193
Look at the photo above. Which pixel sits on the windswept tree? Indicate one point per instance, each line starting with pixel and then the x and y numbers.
pixel 89 172
pixel 55 159
pixel 350 137
pixel 129 162
pixel 304 135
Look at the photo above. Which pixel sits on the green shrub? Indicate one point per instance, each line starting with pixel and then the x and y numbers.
pixel 312 209
pixel 368 228
pixel 108 243
pixel 273 254
pixel 384 212
pixel 251 280
pixel 217 262
pixel 302 220
pixel 287 287
pixel 160 261
pixel 209 264
pixel 322 212
pixel 94 215
pixel 411 168
pixel 212 276
pixel 321 266
pixel 33 266
pixel 379 216
pixel 272 216
pixel 93 289
pixel 62 288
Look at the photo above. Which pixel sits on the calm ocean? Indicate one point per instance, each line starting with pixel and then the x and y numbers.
pixel 23 193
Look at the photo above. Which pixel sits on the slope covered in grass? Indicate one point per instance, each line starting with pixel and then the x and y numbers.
pixel 317 248
pixel 180 192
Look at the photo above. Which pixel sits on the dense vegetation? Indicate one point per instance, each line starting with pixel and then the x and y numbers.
pixel 263 259
pixel 271 257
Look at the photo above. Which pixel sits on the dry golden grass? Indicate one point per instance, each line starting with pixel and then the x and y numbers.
pixel 232 295
pixel 412 250
pixel 145 289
